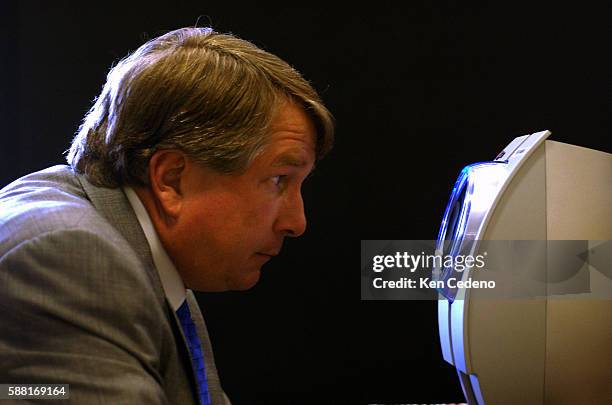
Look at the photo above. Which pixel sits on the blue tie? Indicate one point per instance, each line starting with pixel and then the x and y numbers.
pixel 195 348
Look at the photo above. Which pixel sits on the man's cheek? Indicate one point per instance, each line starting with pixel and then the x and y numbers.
pixel 260 216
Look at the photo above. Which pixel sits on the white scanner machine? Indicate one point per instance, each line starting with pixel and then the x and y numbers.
pixel 551 344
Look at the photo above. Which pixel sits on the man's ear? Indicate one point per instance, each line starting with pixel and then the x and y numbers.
pixel 166 167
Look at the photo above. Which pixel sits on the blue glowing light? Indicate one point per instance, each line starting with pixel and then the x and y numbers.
pixel 472 196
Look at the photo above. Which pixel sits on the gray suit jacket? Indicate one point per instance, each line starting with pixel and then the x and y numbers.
pixel 81 302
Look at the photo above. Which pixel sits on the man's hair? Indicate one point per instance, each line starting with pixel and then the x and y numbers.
pixel 211 95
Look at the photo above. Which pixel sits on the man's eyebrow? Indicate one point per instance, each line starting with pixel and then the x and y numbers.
pixel 291 160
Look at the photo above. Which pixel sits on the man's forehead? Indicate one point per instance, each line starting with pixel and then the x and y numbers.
pixel 293 123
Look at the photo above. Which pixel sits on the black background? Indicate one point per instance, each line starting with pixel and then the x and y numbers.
pixel 418 91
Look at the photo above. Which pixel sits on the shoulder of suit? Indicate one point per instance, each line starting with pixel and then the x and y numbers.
pixel 48 202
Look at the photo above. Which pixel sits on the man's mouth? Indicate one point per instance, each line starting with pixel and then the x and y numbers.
pixel 267 254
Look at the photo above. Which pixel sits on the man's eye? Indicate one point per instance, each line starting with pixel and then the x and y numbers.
pixel 277 180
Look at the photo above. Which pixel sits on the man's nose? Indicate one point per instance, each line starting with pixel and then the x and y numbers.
pixel 292 220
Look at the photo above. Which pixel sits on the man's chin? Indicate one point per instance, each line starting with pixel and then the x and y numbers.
pixel 246 281
pixel 231 282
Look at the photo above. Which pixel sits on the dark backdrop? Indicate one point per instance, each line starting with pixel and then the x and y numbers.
pixel 418 91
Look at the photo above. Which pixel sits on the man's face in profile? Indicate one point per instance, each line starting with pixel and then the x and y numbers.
pixel 230 225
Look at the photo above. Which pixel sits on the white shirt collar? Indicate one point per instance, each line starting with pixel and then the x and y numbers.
pixel 170 278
